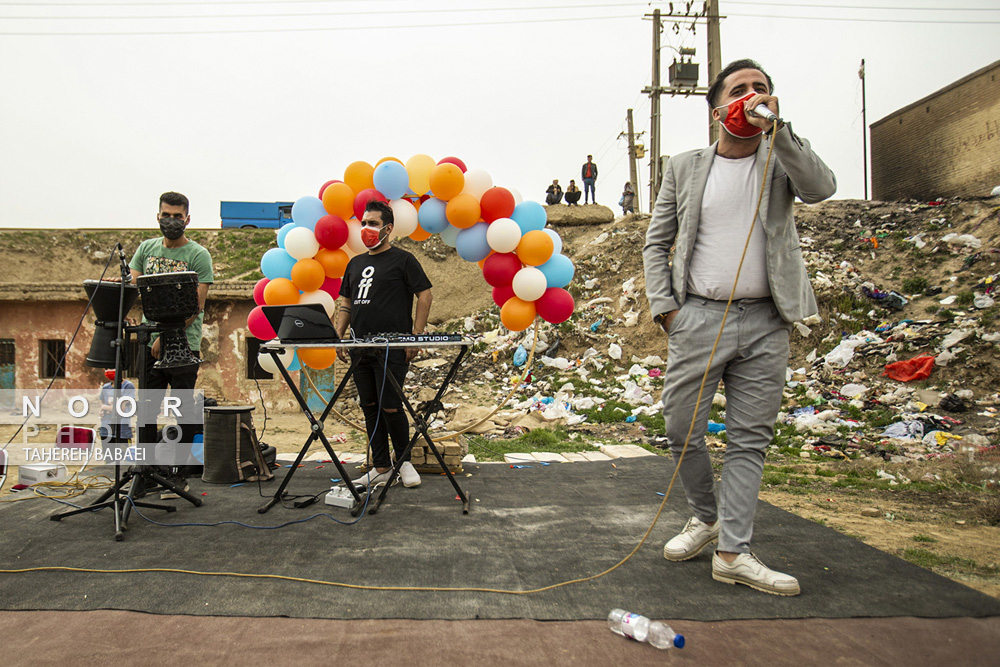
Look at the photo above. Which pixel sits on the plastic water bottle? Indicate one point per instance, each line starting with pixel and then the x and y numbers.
pixel 642 629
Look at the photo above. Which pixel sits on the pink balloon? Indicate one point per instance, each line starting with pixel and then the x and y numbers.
pixel 502 294
pixel 555 305
pixel 332 287
pixel 331 231
pixel 259 326
pixel 455 161
pixel 499 268
pixel 362 199
pixel 258 292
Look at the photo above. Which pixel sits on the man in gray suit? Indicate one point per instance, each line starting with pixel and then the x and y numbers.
pixel 704 210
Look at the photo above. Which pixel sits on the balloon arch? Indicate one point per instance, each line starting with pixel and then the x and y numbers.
pixel 521 260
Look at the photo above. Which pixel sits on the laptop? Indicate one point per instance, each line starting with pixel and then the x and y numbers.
pixel 301 323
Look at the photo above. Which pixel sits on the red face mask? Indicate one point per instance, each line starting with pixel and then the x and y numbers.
pixel 371 237
pixel 734 119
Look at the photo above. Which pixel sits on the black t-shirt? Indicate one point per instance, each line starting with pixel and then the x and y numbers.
pixel 380 289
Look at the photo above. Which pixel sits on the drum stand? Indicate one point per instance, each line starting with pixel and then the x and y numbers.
pixel 141 477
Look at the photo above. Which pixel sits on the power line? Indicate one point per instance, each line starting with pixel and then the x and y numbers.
pixel 564 19
pixel 860 20
pixel 461 10
pixel 800 5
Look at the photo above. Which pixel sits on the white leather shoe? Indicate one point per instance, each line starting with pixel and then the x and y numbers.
pixel 689 542
pixel 748 570
pixel 409 475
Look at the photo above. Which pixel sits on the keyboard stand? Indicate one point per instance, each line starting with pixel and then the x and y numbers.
pixel 421 420
pixel 316 426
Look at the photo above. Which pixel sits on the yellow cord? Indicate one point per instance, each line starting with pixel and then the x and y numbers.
pixel 472 589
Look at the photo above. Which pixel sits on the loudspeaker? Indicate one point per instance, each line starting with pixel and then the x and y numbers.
pixel 104 298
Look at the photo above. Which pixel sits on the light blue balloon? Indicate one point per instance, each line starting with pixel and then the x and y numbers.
pixel 558 271
pixel 431 216
pixel 529 215
pixel 390 178
pixel 471 243
pixel 450 235
pixel 307 211
pixel 556 241
pixel 276 263
pixel 294 365
pixel 283 232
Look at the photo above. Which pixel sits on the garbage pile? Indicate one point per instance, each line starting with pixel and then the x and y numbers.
pixel 901 363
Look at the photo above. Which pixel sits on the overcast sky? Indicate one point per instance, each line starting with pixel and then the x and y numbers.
pixel 103 106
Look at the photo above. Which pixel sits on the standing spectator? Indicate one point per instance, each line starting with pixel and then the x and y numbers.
pixel 554 193
pixel 628 199
pixel 589 175
pixel 572 194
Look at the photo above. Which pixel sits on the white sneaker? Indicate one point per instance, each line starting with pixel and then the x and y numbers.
pixel 748 570
pixel 408 474
pixel 689 542
pixel 371 478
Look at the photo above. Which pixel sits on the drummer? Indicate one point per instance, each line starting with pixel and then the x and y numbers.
pixel 170 253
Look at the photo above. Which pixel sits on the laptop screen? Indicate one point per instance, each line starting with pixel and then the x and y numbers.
pixel 301 323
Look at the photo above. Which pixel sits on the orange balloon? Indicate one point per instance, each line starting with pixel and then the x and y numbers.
pixel 420 234
pixel 463 211
pixel 338 199
pixel 358 175
pixel 308 275
pixel 389 159
pixel 317 358
pixel 281 292
pixel 535 248
pixel 334 262
pixel 447 180
pixel 517 314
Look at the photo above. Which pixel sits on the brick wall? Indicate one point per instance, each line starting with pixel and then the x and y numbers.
pixel 945 145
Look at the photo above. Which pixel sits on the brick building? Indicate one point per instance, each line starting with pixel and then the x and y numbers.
pixel 944 145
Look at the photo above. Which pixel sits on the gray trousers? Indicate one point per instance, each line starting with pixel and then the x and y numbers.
pixel 751 359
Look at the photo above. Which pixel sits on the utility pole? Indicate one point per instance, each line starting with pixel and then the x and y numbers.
pixel 714 57
pixel 632 167
pixel 864 125
pixel 654 113
pixel 683 74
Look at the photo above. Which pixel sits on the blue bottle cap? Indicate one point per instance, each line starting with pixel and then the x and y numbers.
pixel 679 641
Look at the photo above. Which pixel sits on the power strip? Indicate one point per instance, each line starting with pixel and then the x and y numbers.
pixel 340 496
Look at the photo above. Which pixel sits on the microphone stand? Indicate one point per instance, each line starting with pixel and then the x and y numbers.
pixel 138 475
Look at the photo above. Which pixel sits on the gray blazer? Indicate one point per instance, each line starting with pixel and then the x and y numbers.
pixel 795 171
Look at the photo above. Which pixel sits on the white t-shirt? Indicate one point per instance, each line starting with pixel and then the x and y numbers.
pixel 726 213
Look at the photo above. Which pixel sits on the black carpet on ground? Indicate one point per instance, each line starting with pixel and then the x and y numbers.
pixel 528 528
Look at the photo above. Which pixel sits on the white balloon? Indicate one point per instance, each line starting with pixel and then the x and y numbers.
pixel 301 243
pixel 503 235
pixel 404 216
pixel 266 361
pixel 529 283
pixel 517 195
pixel 477 182
pixel 354 242
pixel 449 235
pixel 556 241
pixel 325 299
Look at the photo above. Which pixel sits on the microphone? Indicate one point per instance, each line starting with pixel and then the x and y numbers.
pixel 762 111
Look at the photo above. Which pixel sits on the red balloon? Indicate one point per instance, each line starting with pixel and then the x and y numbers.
pixel 555 305
pixel 259 326
pixel 455 161
pixel 258 292
pixel 499 268
pixel 323 187
pixel 332 287
pixel 502 294
pixel 362 200
pixel 496 203
pixel 331 231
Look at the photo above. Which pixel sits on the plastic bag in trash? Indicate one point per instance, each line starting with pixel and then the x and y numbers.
pixel 520 356
pixel 907 370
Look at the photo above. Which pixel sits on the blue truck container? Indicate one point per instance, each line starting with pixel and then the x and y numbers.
pixel 250 214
